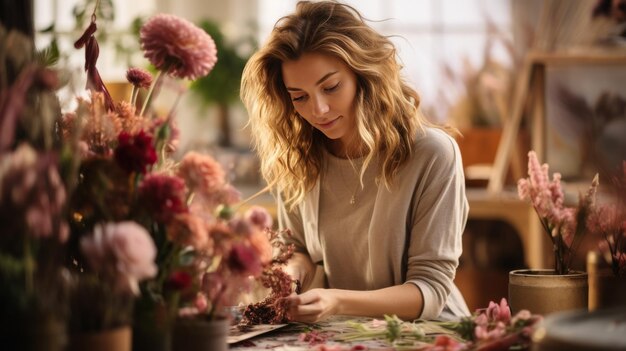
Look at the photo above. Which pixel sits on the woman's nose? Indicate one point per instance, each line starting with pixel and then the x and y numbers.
pixel 320 107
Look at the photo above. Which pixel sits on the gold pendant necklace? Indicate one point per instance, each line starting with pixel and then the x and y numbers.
pixel 358 181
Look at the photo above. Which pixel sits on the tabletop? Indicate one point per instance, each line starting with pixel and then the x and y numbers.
pixel 342 333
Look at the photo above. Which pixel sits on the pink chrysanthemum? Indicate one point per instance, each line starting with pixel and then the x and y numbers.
pixel 178 47
pixel 139 77
pixel 202 173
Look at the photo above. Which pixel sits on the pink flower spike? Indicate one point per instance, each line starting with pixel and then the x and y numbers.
pixel 178 47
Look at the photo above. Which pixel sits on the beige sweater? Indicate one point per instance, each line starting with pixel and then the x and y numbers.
pixel 408 234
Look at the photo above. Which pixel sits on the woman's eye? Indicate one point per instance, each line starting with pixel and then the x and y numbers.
pixel 331 89
pixel 298 98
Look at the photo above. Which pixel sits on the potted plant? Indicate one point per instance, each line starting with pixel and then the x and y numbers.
pixel 561 288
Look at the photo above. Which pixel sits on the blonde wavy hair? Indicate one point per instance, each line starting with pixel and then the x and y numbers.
pixel 387 114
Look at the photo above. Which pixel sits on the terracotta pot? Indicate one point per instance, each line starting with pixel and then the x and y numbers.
pixel 542 292
pixel 118 339
pixel 199 335
pixel 605 289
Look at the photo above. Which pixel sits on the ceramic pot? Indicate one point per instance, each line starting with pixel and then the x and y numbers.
pixel 542 292
pixel 601 330
pixel 200 335
pixel 118 339
pixel 605 289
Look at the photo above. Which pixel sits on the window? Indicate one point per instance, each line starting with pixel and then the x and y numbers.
pixel 427 33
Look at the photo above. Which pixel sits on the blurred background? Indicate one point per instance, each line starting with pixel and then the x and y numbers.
pixel 548 75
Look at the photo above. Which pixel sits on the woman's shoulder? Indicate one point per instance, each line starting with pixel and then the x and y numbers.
pixel 435 142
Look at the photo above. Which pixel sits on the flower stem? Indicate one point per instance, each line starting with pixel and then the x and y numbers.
pixel 29 267
pixel 149 96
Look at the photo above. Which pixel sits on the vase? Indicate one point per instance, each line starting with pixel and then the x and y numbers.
pixel 191 334
pixel 541 291
pixel 605 288
pixel 118 339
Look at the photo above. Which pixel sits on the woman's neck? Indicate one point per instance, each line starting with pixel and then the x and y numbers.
pixel 353 149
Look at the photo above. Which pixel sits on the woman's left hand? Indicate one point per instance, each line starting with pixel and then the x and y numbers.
pixel 312 306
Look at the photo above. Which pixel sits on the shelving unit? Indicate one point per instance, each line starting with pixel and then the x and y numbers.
pixel 529 97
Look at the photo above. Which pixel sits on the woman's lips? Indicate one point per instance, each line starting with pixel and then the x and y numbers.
pixel 329 124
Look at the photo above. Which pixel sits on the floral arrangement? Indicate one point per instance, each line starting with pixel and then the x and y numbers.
pixel 564 225
pixel 33 197
pixel 138 215
pixel 102 224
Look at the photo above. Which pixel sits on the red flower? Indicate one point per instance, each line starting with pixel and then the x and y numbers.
pixel 135 153
pixel 244 259
pixel 179 280
pixel 163 196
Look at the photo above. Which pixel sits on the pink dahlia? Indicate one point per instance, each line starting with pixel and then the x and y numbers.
pixel 134 153
pixel 178 47
pixel 139 77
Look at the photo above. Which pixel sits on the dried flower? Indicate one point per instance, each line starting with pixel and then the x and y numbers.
pixel 123 252
pixel 139 77
pixel 178 47
pixel 564 225
pixel 135 153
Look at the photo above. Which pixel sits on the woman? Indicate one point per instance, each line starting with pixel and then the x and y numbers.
pixel 370 190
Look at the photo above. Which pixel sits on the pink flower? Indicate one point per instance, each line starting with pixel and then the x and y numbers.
pixel 262 245
pixel 244 260
pixel 201 173
pixel 163 196
pixel 259 216
pixel 178 47
pixel 499 312
pixel 189 229
pixel 445 343
pixel 486 333
pixel 127 248
pixel 139 77
pixel 134 153
pixel 32 194
pixel 201 302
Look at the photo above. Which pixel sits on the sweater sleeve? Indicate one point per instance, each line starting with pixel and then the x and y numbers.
pixel 438 216
pixel 291 220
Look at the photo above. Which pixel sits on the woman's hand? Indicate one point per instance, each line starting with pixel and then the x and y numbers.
pixel 312 306
pixel 301 268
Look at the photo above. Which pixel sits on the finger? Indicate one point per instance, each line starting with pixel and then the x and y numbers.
pixel 308 297
pixel 308 310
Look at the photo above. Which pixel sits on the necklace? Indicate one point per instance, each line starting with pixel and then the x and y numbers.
pixel 356 188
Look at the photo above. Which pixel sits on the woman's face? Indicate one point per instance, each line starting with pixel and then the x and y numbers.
pixel 323 89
